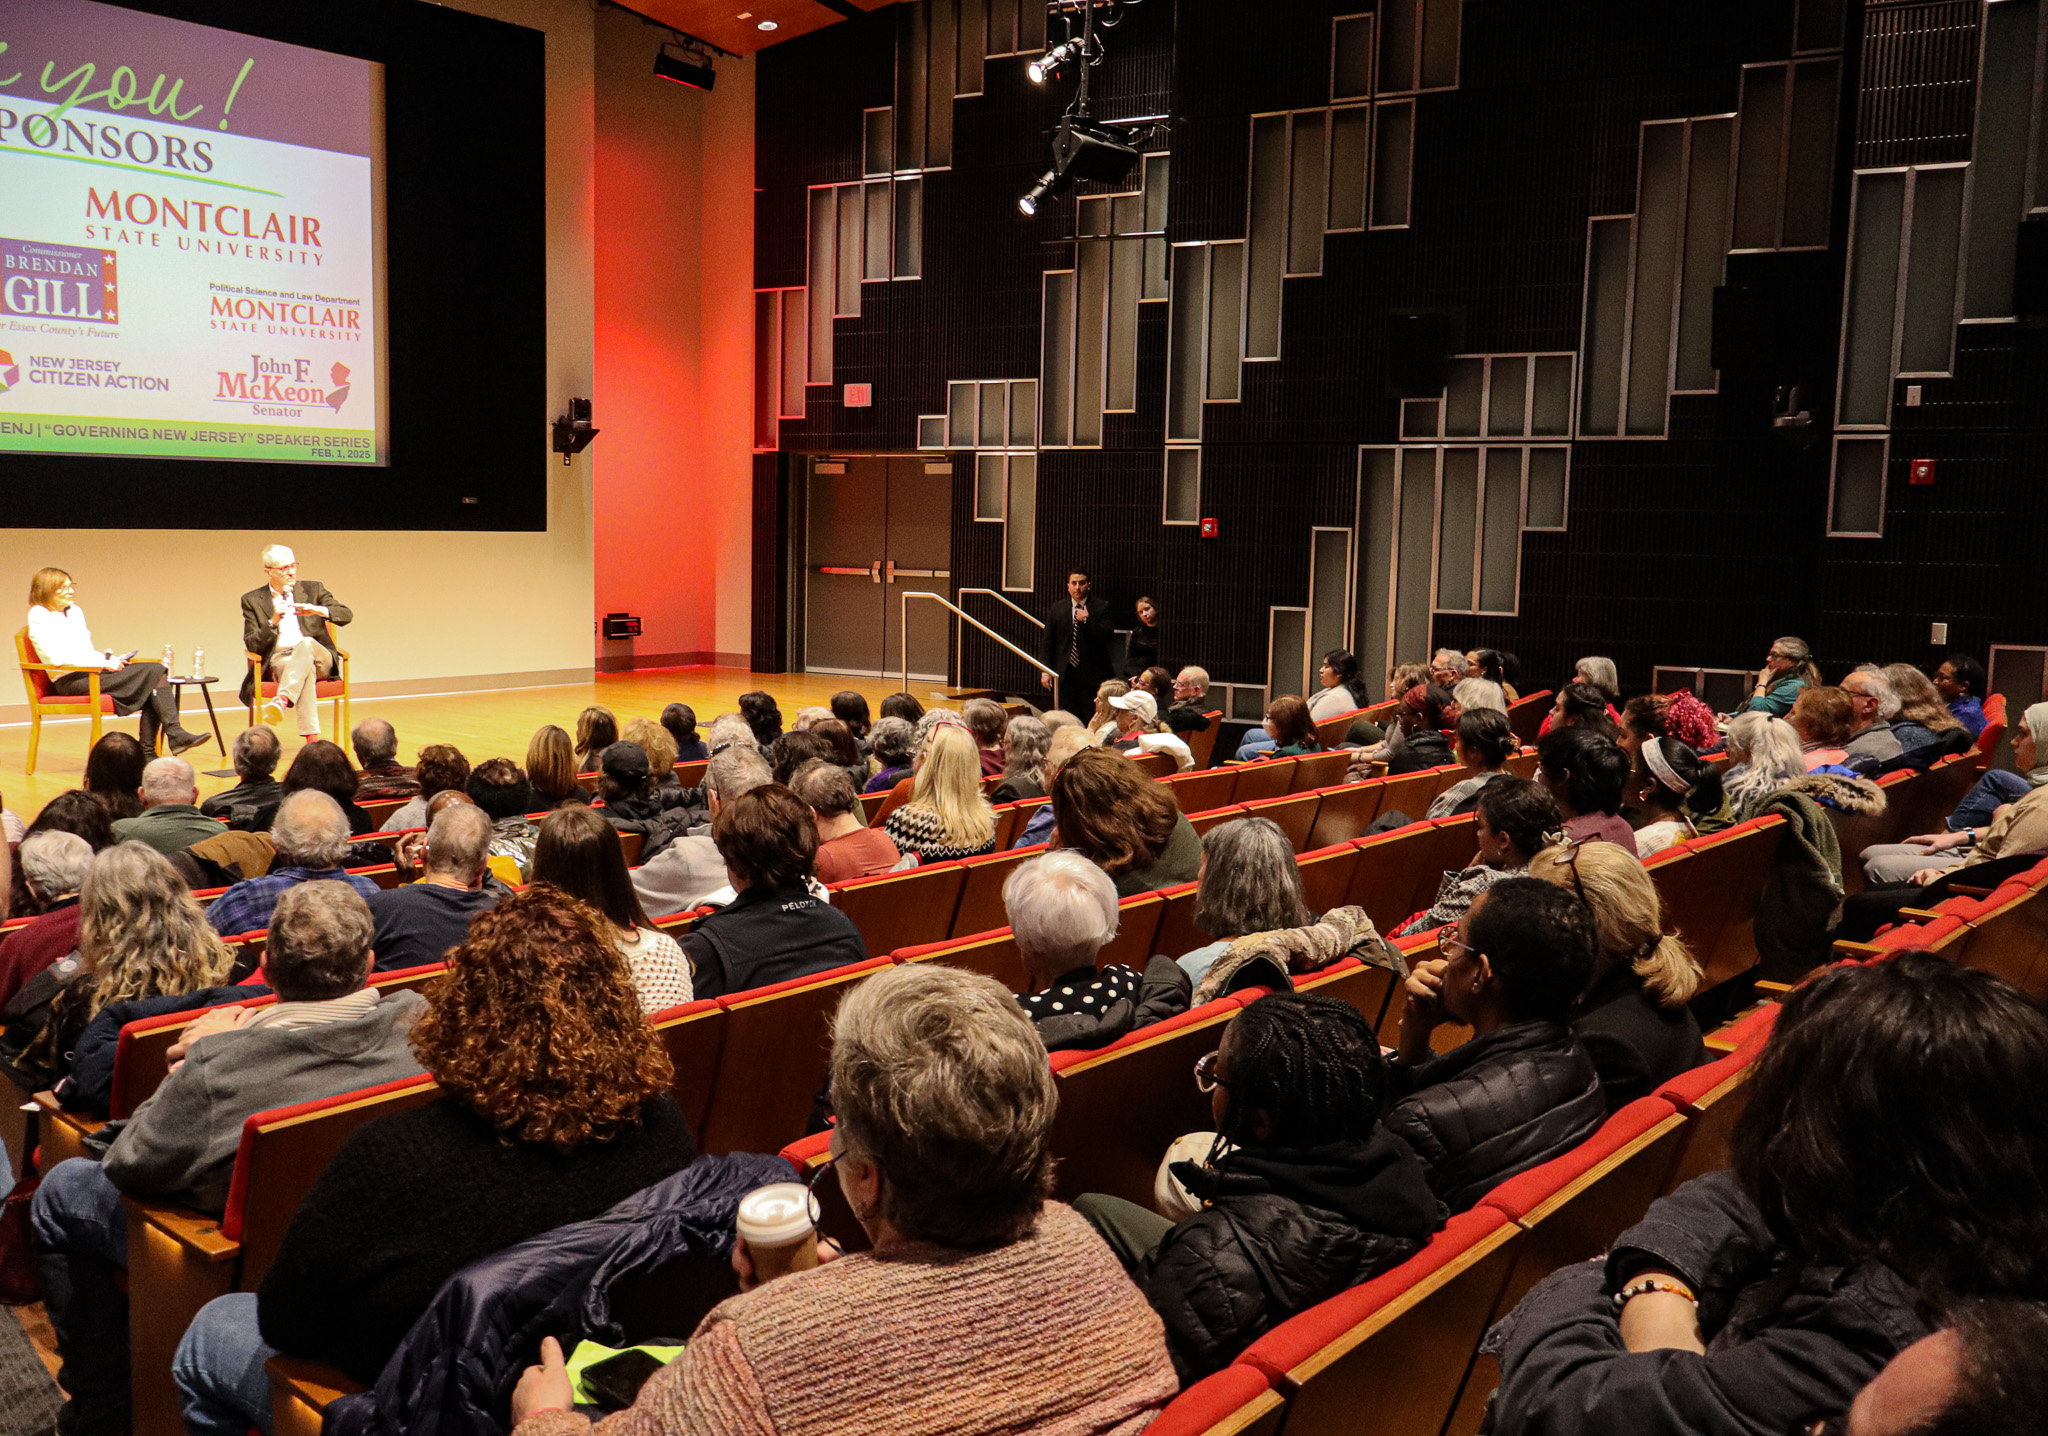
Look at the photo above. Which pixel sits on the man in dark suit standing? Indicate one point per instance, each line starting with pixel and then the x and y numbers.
pixel 285 623
pixel 1077 637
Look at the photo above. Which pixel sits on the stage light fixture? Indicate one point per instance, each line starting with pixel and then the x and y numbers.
pixel 1048 183
pixel 574 430
pixel 1048 64
pixel 689 67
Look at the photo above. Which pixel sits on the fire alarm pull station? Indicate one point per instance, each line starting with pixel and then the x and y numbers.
pixel 1922 472
pixel 1208 528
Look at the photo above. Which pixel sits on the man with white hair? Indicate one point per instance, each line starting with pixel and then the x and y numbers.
pixel 1876 704
pixel 311 837
pixel 689 870
pixel 170 820
pixel 53 867
pixel 418 923
pixel 1063 912
pixel 286 624
pixel 1189 712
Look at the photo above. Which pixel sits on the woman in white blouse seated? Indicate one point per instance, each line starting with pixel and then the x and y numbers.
pixel 57 632
pixel 579 853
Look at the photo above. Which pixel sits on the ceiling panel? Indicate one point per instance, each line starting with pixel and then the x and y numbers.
pixel 736 24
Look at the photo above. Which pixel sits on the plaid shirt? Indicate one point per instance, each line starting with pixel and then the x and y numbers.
pixel 247 905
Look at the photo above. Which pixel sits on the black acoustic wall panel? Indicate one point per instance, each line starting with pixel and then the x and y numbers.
pixel 1697 547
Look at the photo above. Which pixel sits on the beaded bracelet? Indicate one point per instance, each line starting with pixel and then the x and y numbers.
pixel 1641 1286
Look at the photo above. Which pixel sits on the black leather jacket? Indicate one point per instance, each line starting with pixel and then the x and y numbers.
pixel 1284 1229
pixel 1497 1106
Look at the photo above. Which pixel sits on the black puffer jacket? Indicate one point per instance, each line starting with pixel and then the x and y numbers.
pixel 1788 1341
pixel 1497 1106
pixel 1283 1230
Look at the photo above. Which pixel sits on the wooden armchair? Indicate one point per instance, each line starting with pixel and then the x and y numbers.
pixel 335 687
pixel 37 677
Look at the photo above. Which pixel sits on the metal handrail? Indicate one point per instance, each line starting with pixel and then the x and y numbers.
pixel 1000 599
pixel 903 631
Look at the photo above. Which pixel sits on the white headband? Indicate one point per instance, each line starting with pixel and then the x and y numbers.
pixel 1653 756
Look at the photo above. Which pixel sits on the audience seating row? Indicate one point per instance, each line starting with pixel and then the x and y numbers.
pixel 2003 930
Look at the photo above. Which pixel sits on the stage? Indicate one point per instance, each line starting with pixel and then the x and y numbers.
pixel 489 724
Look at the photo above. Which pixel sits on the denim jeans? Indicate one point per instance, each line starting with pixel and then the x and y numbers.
pixel 222 1386
pixel 1995 787
pixel 81 1235
pixel 1257 743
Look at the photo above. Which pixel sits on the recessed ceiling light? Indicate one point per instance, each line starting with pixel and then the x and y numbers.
pixel 766 25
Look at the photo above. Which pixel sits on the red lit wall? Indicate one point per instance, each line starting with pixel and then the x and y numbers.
pixel 672 477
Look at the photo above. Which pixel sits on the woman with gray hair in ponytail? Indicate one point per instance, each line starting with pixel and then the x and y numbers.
pixel 1787 670
pixel 1633 1020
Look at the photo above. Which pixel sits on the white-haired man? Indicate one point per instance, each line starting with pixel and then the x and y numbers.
pixel 1063 911
pixel 53 867
pixel 170 820
pixel 1876 704
pixel 286 624
pixel 311 837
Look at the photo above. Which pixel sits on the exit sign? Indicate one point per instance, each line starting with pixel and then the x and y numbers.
pixel 859 396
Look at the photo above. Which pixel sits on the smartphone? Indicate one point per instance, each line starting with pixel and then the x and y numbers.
pixel 615 1382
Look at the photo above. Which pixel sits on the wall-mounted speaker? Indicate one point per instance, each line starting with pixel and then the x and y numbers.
pixel 2030 273
pixel 1420 343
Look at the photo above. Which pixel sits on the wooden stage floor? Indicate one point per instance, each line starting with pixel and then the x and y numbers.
pixel 491 724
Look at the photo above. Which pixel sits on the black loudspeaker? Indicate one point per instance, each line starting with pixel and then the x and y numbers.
pixel 2030 273
pixel 1745 337
pixel 1420 343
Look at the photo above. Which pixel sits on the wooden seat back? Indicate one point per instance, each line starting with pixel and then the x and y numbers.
pixel 1154 765
pixel 1266 778
pixel 993 954
pixel 981 890
pixel 1201 790
pixel 1236 1401
pixel 283 1153
pixel 381 808
pixel 1712 1098
pixel 771 1065
pixel 1202 741
pixel 1123 1105
pixel 1137 925
pixel 693 1035
pixel 1525 714
pixel 1326 875
pixel 1330 731
pixel 1177 935
pixel 902 909
pixel 1391 867
pixel 1296 815
pixel 1737 866
pixel 2010 937
pixel 1451 849
pixel 1319 770
pixel 1346 811
pixel 1215 817
pixel 1367 989
pixel 1410 793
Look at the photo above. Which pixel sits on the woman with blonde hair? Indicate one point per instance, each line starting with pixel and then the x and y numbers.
pixel 140 934
pixel 1764 755
pixel 1923 718
pixel 1633 1019
pixel 1103 721
pixel 551 768
pixel 946 817
pixel 660 747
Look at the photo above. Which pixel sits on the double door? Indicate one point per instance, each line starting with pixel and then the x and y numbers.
pixel 877 526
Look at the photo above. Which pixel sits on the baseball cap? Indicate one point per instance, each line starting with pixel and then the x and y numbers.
pixel 1140 703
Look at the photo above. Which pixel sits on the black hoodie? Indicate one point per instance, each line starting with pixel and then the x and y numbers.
pixel 1282 1229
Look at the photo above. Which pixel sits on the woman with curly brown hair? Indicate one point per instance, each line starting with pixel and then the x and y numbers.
pixel 1129 826
pixel 555 1106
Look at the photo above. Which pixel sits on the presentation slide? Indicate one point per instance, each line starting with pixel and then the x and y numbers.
pixel 191 242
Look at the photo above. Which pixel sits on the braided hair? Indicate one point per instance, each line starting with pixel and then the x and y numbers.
pixel 1311 1064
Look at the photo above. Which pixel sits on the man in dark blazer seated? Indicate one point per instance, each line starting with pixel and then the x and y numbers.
pixel 285 623
pixel 1077 638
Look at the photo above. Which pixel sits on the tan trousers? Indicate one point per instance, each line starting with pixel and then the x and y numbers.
pixel 297 669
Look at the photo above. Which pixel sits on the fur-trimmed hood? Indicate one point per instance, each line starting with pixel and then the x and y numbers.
pixel 1858 797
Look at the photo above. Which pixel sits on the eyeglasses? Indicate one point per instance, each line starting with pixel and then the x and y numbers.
pixel 1206 1079
pixel 1569 858
pixel 280 568
pixel 1455 947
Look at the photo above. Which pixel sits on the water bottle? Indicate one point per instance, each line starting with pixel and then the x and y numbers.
pixel 169 661
pixel 198 663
